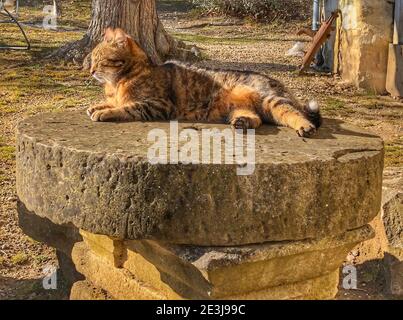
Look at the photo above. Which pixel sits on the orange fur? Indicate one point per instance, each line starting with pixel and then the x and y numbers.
pixel 137 90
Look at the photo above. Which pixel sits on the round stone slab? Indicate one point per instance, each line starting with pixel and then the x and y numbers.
pixel 98 177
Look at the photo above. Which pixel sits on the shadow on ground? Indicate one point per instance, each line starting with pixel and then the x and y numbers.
pixel 171 6
pixel 249 66
pixel 372 282
pixel 31 289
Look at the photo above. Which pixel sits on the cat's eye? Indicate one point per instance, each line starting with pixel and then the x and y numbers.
pixel 115 63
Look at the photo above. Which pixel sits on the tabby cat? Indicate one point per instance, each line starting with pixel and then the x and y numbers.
pixel 138 90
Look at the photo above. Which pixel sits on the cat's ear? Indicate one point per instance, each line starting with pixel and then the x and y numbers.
pixel 121 37
pixel 109 35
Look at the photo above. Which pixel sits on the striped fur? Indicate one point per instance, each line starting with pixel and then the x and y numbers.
pixel 137 90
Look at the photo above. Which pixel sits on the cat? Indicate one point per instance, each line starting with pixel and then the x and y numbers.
pixel 138 90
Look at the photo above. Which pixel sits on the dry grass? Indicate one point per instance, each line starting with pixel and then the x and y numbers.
pixel 30 84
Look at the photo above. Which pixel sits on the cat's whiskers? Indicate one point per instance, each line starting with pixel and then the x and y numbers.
pixel 89 81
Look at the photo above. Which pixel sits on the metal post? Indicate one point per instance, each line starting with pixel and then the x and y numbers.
pixel 316 15
pixel 398 24
pixel 330 6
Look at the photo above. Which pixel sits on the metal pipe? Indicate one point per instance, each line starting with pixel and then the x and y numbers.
pixel 13 19
pixel 398 24
pixel 316 15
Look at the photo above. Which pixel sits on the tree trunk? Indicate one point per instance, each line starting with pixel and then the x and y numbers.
pixel 138 18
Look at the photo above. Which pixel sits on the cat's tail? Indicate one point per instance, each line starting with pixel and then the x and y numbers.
pixel 312 112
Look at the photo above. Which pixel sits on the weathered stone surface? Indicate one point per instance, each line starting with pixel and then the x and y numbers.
pixel 392 218
pixel 107 282
pixel 96 176
pixel 394 274
pixel 372 249
pixel 119 283
pixel 386 246
pixel 216 272
pixel 392 210
pixel 388 220
pixel 366 30
pixel 85 290
pixel 105 247
pixel 320 288
pixel 178 271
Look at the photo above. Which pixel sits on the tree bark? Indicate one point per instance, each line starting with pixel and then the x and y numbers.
pixel 138 18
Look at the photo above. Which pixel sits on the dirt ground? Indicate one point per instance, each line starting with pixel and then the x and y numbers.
pixel 30 84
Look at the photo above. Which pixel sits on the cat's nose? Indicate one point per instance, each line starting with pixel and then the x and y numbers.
pixel 92 70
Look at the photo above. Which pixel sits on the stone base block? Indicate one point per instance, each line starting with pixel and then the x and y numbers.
pixel 387 245
pixel 150 270
pixel 393 263
pixel 320 288
pixel 323 288
pixel 105 247
pixel 118 282
pixel 84 290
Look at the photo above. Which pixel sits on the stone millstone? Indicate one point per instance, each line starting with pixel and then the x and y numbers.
pixel 97 176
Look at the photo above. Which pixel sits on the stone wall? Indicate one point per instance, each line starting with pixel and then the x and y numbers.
pixel 365 31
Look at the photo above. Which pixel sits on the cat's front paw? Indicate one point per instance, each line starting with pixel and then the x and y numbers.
pixel 306 130
pixel 102 115
pixel 116 114
pixel 97 107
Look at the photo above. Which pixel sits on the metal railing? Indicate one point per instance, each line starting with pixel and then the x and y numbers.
pixel 12 18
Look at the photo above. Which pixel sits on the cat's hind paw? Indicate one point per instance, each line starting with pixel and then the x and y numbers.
pixel 306 131
pixel 245 123
pixel 242 123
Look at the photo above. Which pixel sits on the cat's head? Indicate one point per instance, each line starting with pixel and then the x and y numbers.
pixel 115 56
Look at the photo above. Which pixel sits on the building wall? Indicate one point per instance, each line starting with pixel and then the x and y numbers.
pixel 364 33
